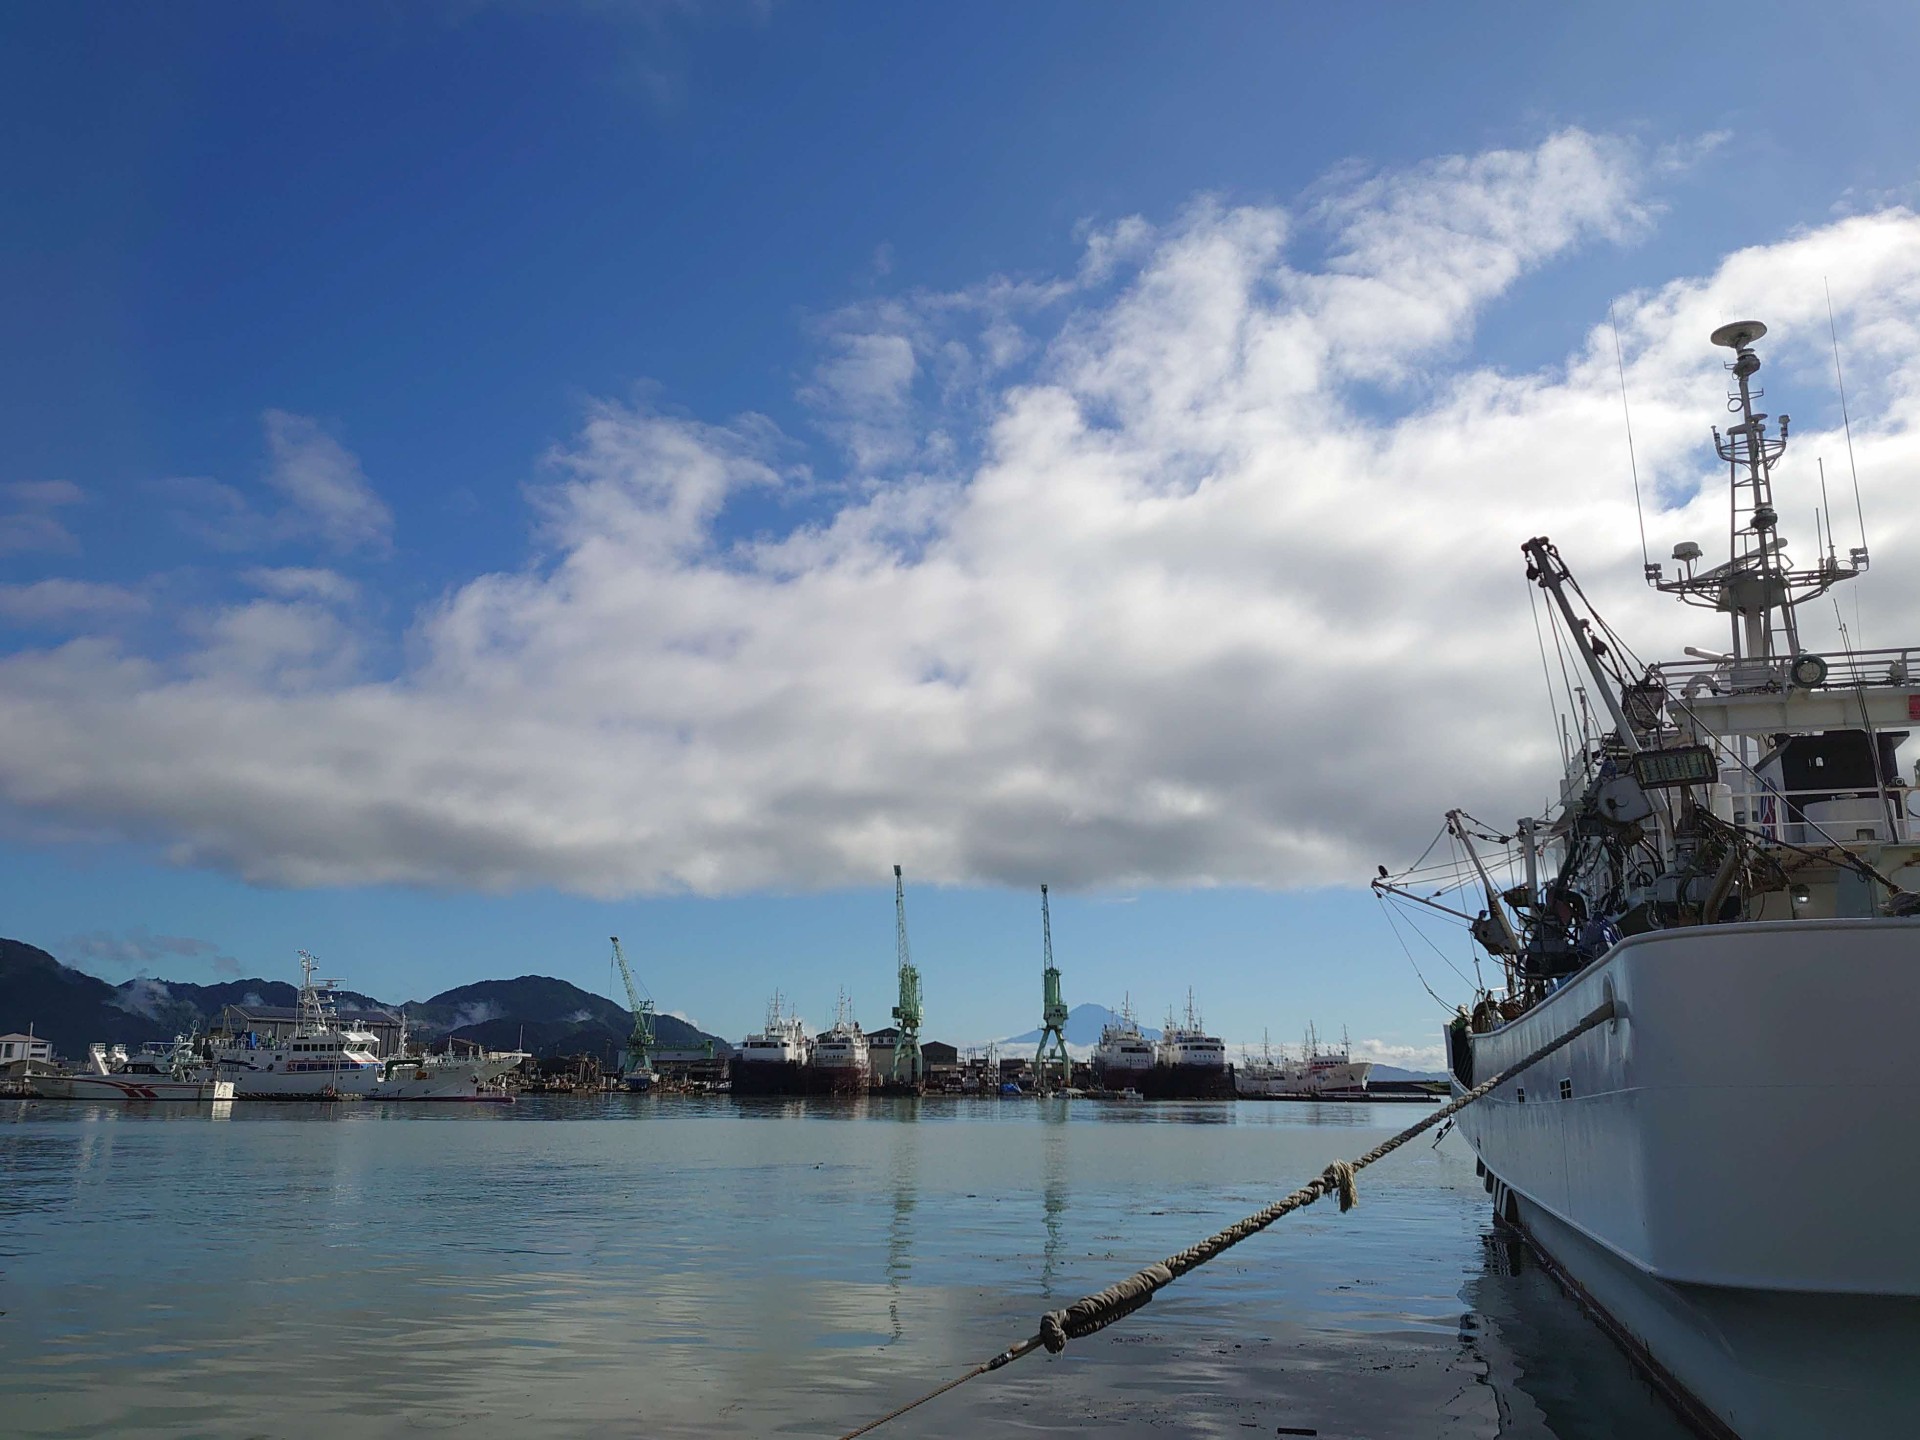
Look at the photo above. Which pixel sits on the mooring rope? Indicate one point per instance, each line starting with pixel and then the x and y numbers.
pixel 1116 1302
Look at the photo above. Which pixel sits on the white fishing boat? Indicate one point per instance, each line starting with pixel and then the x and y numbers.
pixel 1319 1071
pixel 326 1058
pixel 461 1071
pixel 1730 876
pixel 161 1073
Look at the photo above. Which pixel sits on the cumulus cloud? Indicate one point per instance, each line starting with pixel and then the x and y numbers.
pixel 29 519
pixel 61 602
pixel 1197 565
pixel 303 583
pixel 326 500
pixel 140 949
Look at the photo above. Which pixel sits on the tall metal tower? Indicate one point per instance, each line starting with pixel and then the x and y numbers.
pixel 908 1068
pixel 638 1071
pixel 1051 1059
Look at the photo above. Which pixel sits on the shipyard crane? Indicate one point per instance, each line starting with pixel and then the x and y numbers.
pixel 638 1071
pixel 1051 1058
pixel 908 1068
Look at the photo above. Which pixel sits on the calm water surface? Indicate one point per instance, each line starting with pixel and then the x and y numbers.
pixel 653 1266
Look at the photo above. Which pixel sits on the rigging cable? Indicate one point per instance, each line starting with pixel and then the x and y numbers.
pixel 1620 363
pixel 1406 950
pixel 1845 419
pixel 1553 710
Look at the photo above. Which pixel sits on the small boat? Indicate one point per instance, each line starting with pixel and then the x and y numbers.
pixel 171 1072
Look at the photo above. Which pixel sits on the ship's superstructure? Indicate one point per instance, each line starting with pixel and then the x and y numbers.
pixel 1731 860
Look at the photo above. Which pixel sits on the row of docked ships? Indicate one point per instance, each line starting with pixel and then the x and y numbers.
pixel 324 1058
pixel 1184 1063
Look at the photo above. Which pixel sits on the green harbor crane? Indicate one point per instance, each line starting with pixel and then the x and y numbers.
pixel 1052 1067
pixel 908 1068
pixel 637 1074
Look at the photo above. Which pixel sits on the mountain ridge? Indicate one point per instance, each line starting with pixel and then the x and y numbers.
pixel 73 1010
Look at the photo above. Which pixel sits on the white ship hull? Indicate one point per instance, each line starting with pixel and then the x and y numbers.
pixel 130 1087
pixel 260 1083
pixel 1772 1275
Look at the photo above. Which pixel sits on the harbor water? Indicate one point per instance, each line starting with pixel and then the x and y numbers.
pixel 658 1266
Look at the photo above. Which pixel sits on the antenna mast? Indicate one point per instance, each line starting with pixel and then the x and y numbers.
pixel 1051 1059
pixel 1758 588
pixel 908 1068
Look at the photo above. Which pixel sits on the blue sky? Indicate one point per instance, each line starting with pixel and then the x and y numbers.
pixel 374 376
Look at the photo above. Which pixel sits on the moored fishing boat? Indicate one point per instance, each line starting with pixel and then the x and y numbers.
pixel 1732 860
pixel 170 1073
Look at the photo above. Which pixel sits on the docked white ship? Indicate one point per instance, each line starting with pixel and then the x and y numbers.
pixel 1732 867
pixel 773 1060
pixel 326 1059
pixel 1188 1063
pixel 1319 1071
pixel 840 1064
pixel 1124 1055
pixel 171 1073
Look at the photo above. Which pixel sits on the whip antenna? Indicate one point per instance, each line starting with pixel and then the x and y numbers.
pixel 1620 363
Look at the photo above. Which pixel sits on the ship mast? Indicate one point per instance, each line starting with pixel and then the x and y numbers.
pixel 1757 588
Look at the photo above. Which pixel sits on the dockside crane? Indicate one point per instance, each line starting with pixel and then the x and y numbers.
pixel 908 1068
pixel 638 1071
pixel 1051 1059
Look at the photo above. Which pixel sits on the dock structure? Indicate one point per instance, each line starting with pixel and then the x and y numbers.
pixel 1052 1066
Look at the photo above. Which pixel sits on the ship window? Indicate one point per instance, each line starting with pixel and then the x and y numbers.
pixel 1520 1093
pixel 1566 1089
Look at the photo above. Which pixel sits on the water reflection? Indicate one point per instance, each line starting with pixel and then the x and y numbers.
pixel 1053 1195
pixel 1551 1371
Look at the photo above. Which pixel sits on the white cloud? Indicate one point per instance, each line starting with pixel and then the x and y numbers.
pixel 58 602
pixel 327 493
pixel 29 523
pixel 1198 566
pixel 1407 1057
pixel 301 583
pixel 327 502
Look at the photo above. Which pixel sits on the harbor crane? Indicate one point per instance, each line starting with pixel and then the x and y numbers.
pixel 908 1068
pixel 637 1074
pixel 1051 1059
